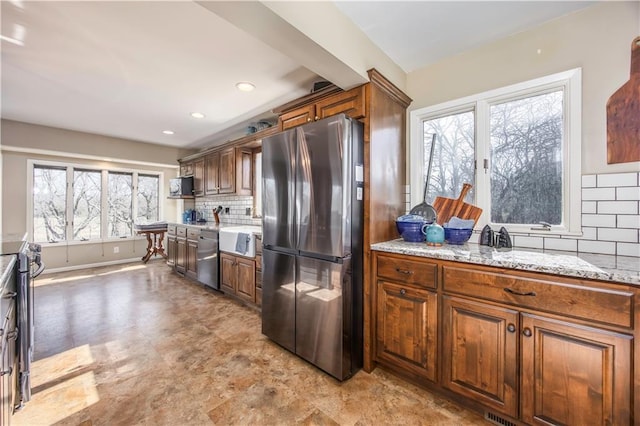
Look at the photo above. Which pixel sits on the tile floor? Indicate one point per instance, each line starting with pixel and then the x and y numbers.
pixel 137 345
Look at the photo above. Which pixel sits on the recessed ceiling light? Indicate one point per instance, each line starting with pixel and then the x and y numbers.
pixel 245 86
pixel 168 132
pixel 197 115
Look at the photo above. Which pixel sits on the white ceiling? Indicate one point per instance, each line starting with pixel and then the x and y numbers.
pixel 134 69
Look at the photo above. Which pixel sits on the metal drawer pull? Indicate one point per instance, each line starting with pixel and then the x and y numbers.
pixel 12 335
pixel 5 372
pixel 10 295
pixel 511 328
pixel 517 293
pixel 404 271
pixel 527 332
pixel 403 291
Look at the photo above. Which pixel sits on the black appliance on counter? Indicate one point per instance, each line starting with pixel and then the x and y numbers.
pixel 28 266
pixel 312 242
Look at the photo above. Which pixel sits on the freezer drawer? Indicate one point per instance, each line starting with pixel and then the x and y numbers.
pixel 278 298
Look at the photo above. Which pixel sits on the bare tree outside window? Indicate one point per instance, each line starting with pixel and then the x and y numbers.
pixel 453 156
pixel 87 189
pixel 49 204
pixel 147 198
pixel 120 204
pixel 526 160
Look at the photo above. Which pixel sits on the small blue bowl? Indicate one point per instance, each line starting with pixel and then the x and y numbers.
pixel 410 231
pixel 457 235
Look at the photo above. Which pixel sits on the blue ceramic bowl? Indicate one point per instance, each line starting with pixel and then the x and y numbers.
pixel 457 235
pixel 410 228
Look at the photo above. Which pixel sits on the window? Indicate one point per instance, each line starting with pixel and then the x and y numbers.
pixel 518 146
pixel 77 203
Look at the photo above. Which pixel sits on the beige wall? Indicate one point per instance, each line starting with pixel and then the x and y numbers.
pixel 78 148
pixel 598 39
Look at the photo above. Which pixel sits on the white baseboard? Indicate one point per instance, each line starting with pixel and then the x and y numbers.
pixel 90 265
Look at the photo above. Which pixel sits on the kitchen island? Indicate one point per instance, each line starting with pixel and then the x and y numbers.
pixel 521 335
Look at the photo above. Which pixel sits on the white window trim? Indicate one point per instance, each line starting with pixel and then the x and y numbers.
pixel 70 167
pixel 571 81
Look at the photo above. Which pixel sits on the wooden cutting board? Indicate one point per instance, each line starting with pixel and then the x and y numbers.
pixel 446 208
pixel 623 115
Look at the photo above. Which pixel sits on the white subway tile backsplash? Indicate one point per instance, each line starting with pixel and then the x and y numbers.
pixel 566 244
pixel 589 207
pixel 618 207
pixel 628 221
pixel 589 181
pixel 628 193
pixel 618 234
pixel 628 249
pixel 617 179
pixel 528 242
pixel 597 194
pixel 601 247
pixel 589 233
pixel 599 220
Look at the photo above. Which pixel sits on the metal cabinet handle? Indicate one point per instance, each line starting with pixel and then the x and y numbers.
pixel 527 332
pixel 317 118
pixel 517 293
pixel 12 335
pixel 308 119
pixel 403 291
pixel 511 328
pixel 404 271
pixel 5 372
pixel 10 295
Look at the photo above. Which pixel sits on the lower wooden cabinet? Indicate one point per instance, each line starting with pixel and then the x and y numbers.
pixel 479 353
pixel 407 328
pixel 181 255
pixel 574 375
pixel 238 276
pixel 519 344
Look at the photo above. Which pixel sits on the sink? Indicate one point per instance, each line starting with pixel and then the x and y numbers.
pixel 229 239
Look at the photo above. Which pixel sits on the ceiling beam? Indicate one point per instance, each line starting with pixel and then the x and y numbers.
pixel 315 34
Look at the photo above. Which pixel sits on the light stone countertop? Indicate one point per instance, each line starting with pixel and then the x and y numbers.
pixel 579 265
pixel 6 267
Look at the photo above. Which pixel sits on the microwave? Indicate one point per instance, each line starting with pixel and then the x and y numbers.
pixel 181 186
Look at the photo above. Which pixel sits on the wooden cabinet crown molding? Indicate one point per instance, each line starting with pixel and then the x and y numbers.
pixel 381 82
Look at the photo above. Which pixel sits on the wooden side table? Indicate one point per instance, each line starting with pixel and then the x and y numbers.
pixel 154 242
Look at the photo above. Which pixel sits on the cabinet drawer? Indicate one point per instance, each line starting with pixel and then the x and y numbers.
pixel 350 102
pixel 407 270
pixel 258 260
pixel 600 302
pixel 193 234
pixel 171 229
pixel 181 231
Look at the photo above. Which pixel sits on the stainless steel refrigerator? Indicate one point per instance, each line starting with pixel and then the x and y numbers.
pixel 313 188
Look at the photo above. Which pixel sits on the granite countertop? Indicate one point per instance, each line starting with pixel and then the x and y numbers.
pixel 580 265
pixel 215 227
pixel 6 269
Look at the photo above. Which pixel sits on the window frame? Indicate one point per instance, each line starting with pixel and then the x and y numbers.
pixel 571 83
pixel 104 170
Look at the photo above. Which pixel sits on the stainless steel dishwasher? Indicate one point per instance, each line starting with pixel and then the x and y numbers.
pixel 208 259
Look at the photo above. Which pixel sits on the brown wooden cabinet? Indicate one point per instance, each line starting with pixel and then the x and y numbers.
pixel 212 173
pixel 182 249
pixel 407 328
pixel 186 168
pixel 172 247
pixel 191 266
pixel 227 171
pixel 238 276
pixel 479 353
pixel 350 102
pixel 525 346
pixel 198 177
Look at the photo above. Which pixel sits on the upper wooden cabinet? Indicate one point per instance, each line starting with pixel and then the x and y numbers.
pixel 227 171
pixel 351 102
pixel 212 176
pixel 198 177
pixel 224 171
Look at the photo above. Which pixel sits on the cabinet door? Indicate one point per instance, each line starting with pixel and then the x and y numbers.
pixel 244 175
pixel 302 115
pixel 246 285
pixel 227 171
pixel 192 259
pixel 228 273
pixel 172 248
pixel 198 177
pixel 406 328
pixel 212 173
pixel 186 169
pixel 350 102
pixel 181 255
pixel 479 353
pixel 574 375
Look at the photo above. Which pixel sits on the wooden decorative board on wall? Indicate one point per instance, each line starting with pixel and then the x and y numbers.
pixel 623 115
